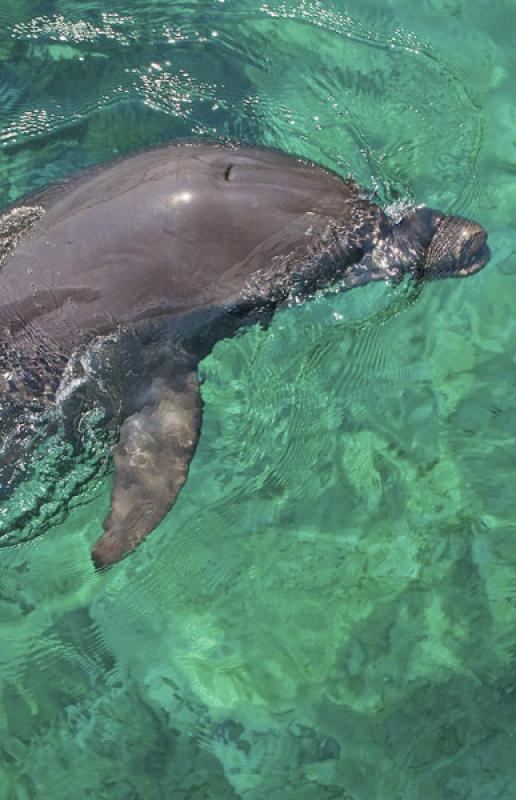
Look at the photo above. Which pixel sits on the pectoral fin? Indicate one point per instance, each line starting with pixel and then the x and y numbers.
pixel 151 464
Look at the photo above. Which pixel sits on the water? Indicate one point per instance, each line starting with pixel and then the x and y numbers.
pixel 329 611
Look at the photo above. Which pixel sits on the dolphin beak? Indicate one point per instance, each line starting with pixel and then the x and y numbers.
pixel 478 256
pixel 458 249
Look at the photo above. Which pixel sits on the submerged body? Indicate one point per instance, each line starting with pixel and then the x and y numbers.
pixel 173 250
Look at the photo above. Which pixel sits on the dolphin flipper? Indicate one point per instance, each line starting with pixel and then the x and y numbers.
pixel 151 460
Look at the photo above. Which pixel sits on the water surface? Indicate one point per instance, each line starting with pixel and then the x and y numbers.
pixel 329 611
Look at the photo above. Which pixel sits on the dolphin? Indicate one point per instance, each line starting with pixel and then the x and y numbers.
pixel 150 260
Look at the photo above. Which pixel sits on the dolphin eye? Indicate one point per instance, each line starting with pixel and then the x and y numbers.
pixel 227 172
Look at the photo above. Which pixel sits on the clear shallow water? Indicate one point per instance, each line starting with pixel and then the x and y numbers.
pixel 329 610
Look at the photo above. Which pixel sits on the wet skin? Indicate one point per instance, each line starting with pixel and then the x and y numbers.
pixel 161 255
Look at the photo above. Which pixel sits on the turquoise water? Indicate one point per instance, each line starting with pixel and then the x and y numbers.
pixel 329 611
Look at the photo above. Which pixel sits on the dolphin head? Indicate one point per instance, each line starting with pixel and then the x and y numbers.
pixel 444 246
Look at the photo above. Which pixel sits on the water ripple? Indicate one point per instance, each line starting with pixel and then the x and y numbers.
pixel 213 72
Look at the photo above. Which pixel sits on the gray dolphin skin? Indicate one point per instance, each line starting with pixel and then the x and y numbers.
pixel 147 262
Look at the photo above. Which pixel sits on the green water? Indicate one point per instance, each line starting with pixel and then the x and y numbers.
pixel 329 612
